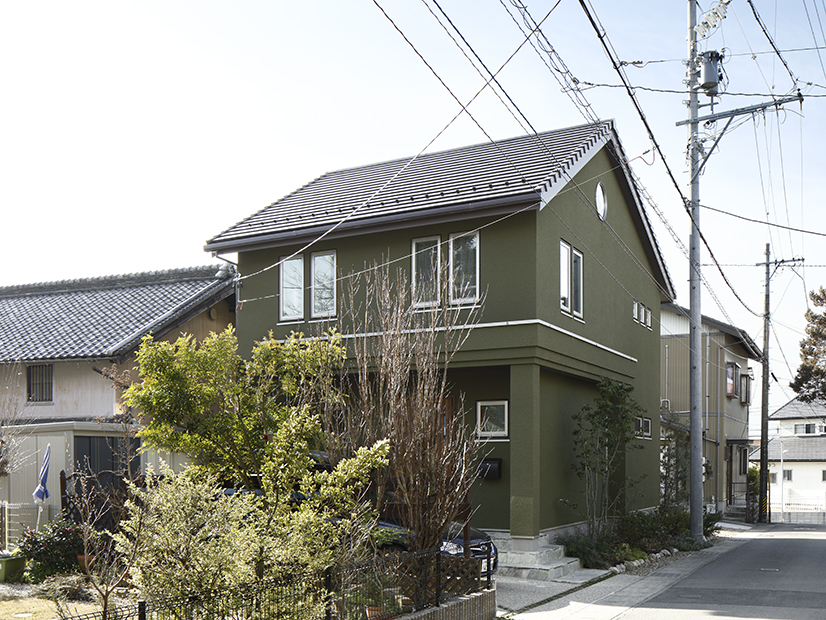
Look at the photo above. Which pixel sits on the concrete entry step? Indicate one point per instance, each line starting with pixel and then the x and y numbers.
pixel 550 570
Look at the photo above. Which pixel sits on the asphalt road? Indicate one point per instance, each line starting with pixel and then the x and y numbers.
pixel 771 572
pixel 779 574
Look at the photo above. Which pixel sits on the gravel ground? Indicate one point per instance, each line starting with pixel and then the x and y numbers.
pixel 657 561
pixel 14 590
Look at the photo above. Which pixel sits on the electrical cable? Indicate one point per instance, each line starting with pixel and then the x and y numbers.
pixel 771 41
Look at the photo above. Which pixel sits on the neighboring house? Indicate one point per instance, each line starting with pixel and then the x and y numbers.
pixel 797 448
pixel 550 227
pixel 727 391
pixel 58 336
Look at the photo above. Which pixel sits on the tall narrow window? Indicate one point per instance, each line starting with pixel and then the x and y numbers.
pixel 732 380
pixel 425 267
pixel 324 284
pixel 292 289
pixel 39 383
pixel 570 279
pixel 464 267
pixel 564 276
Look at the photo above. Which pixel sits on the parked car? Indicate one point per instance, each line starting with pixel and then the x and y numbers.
pixel 394 537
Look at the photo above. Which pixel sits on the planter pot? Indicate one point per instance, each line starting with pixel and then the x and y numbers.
pixel 85 561
pixel 11 565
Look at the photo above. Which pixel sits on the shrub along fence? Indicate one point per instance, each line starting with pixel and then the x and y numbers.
pixel 396 584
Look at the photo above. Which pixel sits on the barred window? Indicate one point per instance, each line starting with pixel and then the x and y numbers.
pixel 39 383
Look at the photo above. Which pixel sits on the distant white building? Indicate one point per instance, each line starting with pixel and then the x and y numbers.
pixel 797 462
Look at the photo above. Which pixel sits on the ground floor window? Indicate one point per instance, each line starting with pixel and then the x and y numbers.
pixel 492 418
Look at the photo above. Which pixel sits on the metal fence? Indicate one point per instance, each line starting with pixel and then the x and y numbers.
pixel 17 518
pixel 378 590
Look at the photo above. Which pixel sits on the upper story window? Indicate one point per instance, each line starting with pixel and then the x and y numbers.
pixel 601 201
pixel 805 429
pixel 291 297
pixel 570 279
pixel 732 380
pixel 745 389
pixel 323 290
pixel 425 269
pixel 39 383
pixel 464 267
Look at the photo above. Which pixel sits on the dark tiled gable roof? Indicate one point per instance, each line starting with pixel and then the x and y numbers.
pixel 475 174
pixel 102 317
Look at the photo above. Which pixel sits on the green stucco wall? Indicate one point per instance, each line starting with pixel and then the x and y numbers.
pixel 544 362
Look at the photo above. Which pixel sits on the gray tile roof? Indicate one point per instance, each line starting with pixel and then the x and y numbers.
pixel 795 449
pixel 103 317
pixel 796 409
pixel 418 187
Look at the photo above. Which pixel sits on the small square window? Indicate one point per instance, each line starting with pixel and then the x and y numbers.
pixel 39 383
pixel 772 478
pixel 787 475
pixel 492 418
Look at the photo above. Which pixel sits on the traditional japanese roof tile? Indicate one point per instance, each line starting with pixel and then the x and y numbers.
pixel 103 318
pixel 796 409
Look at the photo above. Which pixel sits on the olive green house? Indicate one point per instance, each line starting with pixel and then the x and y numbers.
pixel 551 231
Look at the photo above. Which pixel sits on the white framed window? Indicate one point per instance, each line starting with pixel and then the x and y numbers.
pixel 570 279
pixel 805 429
pixel 492 418
pixel 787 475
pixel 635 311
pixel 291 289
pixel 646 427
pixel 324 284
pixel 39 383
pixel 425 269
pixel 648 318
pixel 732 380
pixel 464 268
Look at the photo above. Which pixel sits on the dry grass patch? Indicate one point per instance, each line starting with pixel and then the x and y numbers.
pixel 31 608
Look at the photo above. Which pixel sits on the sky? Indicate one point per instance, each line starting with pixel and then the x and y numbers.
pixel 131 133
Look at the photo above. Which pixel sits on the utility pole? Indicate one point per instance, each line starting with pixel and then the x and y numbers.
pixel 764 405
pixel 707 65
pixel 695 313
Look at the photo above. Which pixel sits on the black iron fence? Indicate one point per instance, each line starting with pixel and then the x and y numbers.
pixel 391 586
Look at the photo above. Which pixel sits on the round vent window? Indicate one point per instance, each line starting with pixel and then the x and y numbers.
pixel 601 201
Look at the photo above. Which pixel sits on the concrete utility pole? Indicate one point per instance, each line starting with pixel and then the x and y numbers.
pixel 764 405
pixel 695 314
pixel 708 64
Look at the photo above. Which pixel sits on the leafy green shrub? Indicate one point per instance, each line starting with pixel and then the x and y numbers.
pixel 593 553
pixel 52 549
pixel 711 523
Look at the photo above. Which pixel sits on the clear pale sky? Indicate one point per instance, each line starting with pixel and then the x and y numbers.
pixel 130 133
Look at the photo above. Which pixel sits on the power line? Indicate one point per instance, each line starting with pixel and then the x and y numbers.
pixel 771 41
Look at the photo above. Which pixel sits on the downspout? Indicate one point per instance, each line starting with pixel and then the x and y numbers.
pixel 720 381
